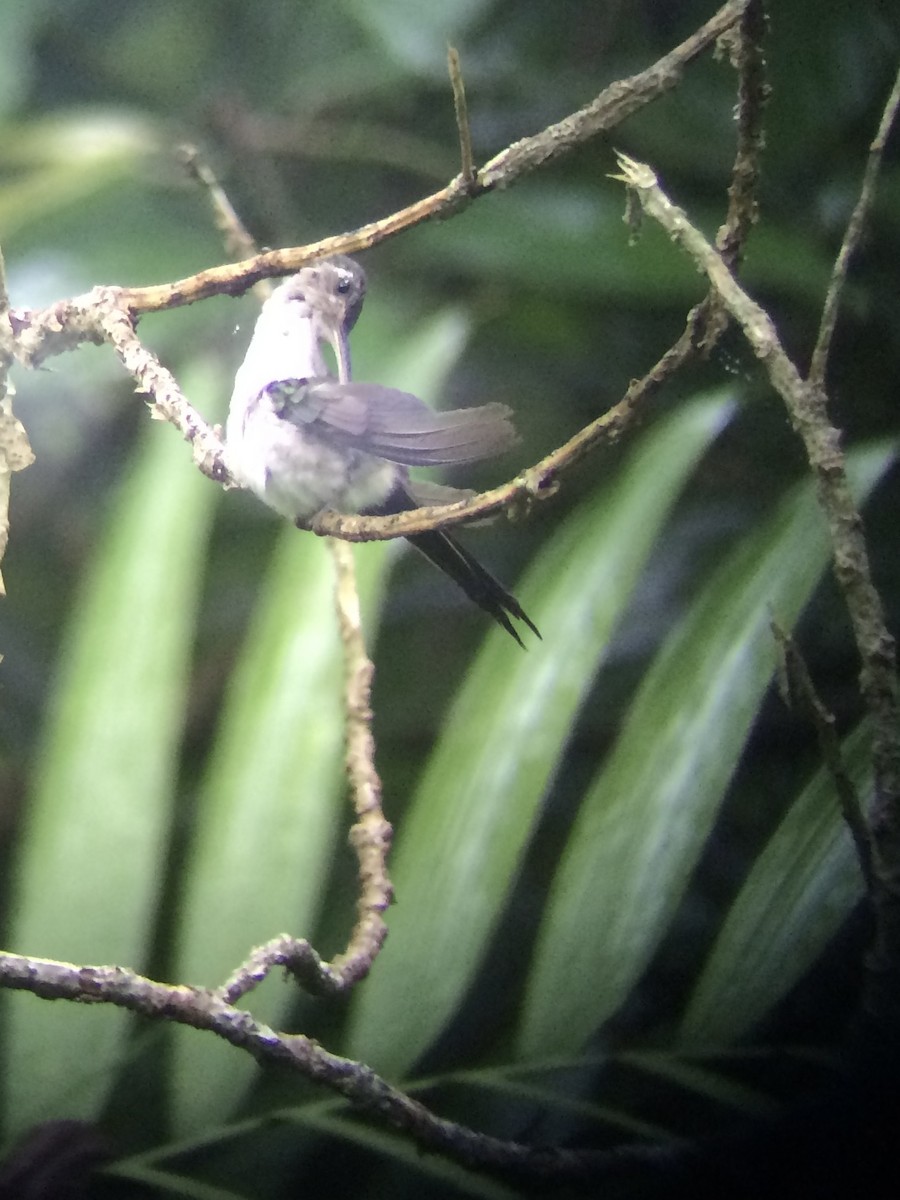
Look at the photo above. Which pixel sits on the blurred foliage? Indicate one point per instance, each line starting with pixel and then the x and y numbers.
pixel 161 643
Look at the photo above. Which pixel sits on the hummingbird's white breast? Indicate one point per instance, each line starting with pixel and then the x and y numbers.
pixel 291 469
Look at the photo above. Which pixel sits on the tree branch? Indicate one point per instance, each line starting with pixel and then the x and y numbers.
pixel 15 449
pixel 371 835
pixel 819 362
pixel 369 1094
pixel 467 161
pixel 806 403
pixel 800 687
pixel 616 102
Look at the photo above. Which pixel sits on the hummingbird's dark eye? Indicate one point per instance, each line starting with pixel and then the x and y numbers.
pixel 343 287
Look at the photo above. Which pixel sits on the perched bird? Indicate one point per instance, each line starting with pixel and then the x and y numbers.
pixel 303 440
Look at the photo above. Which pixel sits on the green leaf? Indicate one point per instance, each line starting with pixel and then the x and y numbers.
pixel 701 1080
pixel 646 817
pixel 170 1183
pixel 798 892
pixel 401 1157
pixel 461 841
pixel 90 860
pixel 538 1086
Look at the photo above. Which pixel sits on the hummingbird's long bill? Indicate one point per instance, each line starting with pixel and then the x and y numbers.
pixel 340 343
pixel 304 441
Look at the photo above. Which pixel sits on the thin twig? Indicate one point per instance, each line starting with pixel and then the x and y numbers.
pixel 610 108
pixel 753 93
pixel 709 320
pixel 371 835
pixel 855 226
pixel 467 168
pixel 801 686
pixel 167 400
pixel 238 241
pixel 15 449
pixel 807 408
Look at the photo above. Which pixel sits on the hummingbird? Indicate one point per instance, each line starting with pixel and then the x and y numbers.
pixel 304 440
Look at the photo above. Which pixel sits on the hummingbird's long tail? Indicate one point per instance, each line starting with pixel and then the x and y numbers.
pixel 475 580
pixel 449 556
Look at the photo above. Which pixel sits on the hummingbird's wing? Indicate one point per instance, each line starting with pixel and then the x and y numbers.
pixel 390 424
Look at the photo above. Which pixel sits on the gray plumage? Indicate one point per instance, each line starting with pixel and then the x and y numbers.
pixel 304 441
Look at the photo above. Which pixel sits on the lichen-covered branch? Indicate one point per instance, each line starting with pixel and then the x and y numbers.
pixel 15 450
pixel 616 102
pixel 806 404
pixel 800 688
pixel 852 235
pixel 371 835
pixel 369 1094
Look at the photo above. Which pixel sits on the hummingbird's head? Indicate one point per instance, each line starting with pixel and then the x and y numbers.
pixel 330 294
pixel 332 290
pixel 347 280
